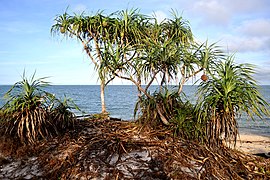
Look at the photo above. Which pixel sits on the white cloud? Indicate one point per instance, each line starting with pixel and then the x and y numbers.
pixel 224 12
pixel 160 15
pixel 263 73
pixel 249 36
pixel 255 27
pixel 79 8
pixel 237 43
pixel 212 11
pixel 240 6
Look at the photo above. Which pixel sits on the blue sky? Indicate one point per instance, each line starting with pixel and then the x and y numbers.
pixel 241 26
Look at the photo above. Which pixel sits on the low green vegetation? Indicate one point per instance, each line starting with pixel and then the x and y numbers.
pixel 229 91
pixel 31 113
pixel 169 110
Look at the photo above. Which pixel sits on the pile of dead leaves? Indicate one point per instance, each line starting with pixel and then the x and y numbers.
pixel 106 149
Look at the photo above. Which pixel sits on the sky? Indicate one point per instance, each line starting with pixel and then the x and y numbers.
pixel 239 26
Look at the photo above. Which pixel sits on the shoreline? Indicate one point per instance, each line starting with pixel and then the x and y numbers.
pixel 253 143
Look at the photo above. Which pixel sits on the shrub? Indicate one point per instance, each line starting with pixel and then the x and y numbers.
pixel 185 123
pixel 169 105
pixel 31 113
pixel 61 116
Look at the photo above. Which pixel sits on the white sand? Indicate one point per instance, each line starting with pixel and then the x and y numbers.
pixel 251 143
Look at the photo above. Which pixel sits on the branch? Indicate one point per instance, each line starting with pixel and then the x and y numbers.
pixel 136 83
pixel 97 48
pixel 112 78
pixel 151 81
pixel 185 79
pixel 88 51
pixel 196 72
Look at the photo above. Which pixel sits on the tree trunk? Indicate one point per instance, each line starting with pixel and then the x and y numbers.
pixel 138 89
pixel 102 96
pixel 181 84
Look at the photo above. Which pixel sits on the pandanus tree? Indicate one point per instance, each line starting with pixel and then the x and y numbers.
pixel 149 51
pixel 93 32
pixel 135 47
pixel 103 36
pixel 230 91
pixel 121 54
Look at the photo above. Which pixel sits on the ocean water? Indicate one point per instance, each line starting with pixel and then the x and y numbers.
pixel 121 100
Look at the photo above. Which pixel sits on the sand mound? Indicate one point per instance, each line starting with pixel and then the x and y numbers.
pixel 104 149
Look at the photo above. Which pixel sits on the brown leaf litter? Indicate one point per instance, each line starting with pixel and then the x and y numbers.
pixel 105 149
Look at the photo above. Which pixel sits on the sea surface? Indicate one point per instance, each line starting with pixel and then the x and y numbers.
pixel 121 100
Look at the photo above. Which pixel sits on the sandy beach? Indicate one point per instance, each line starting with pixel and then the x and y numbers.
pixel 253 144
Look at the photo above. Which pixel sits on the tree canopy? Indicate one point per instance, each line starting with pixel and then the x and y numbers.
pixel 135 47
